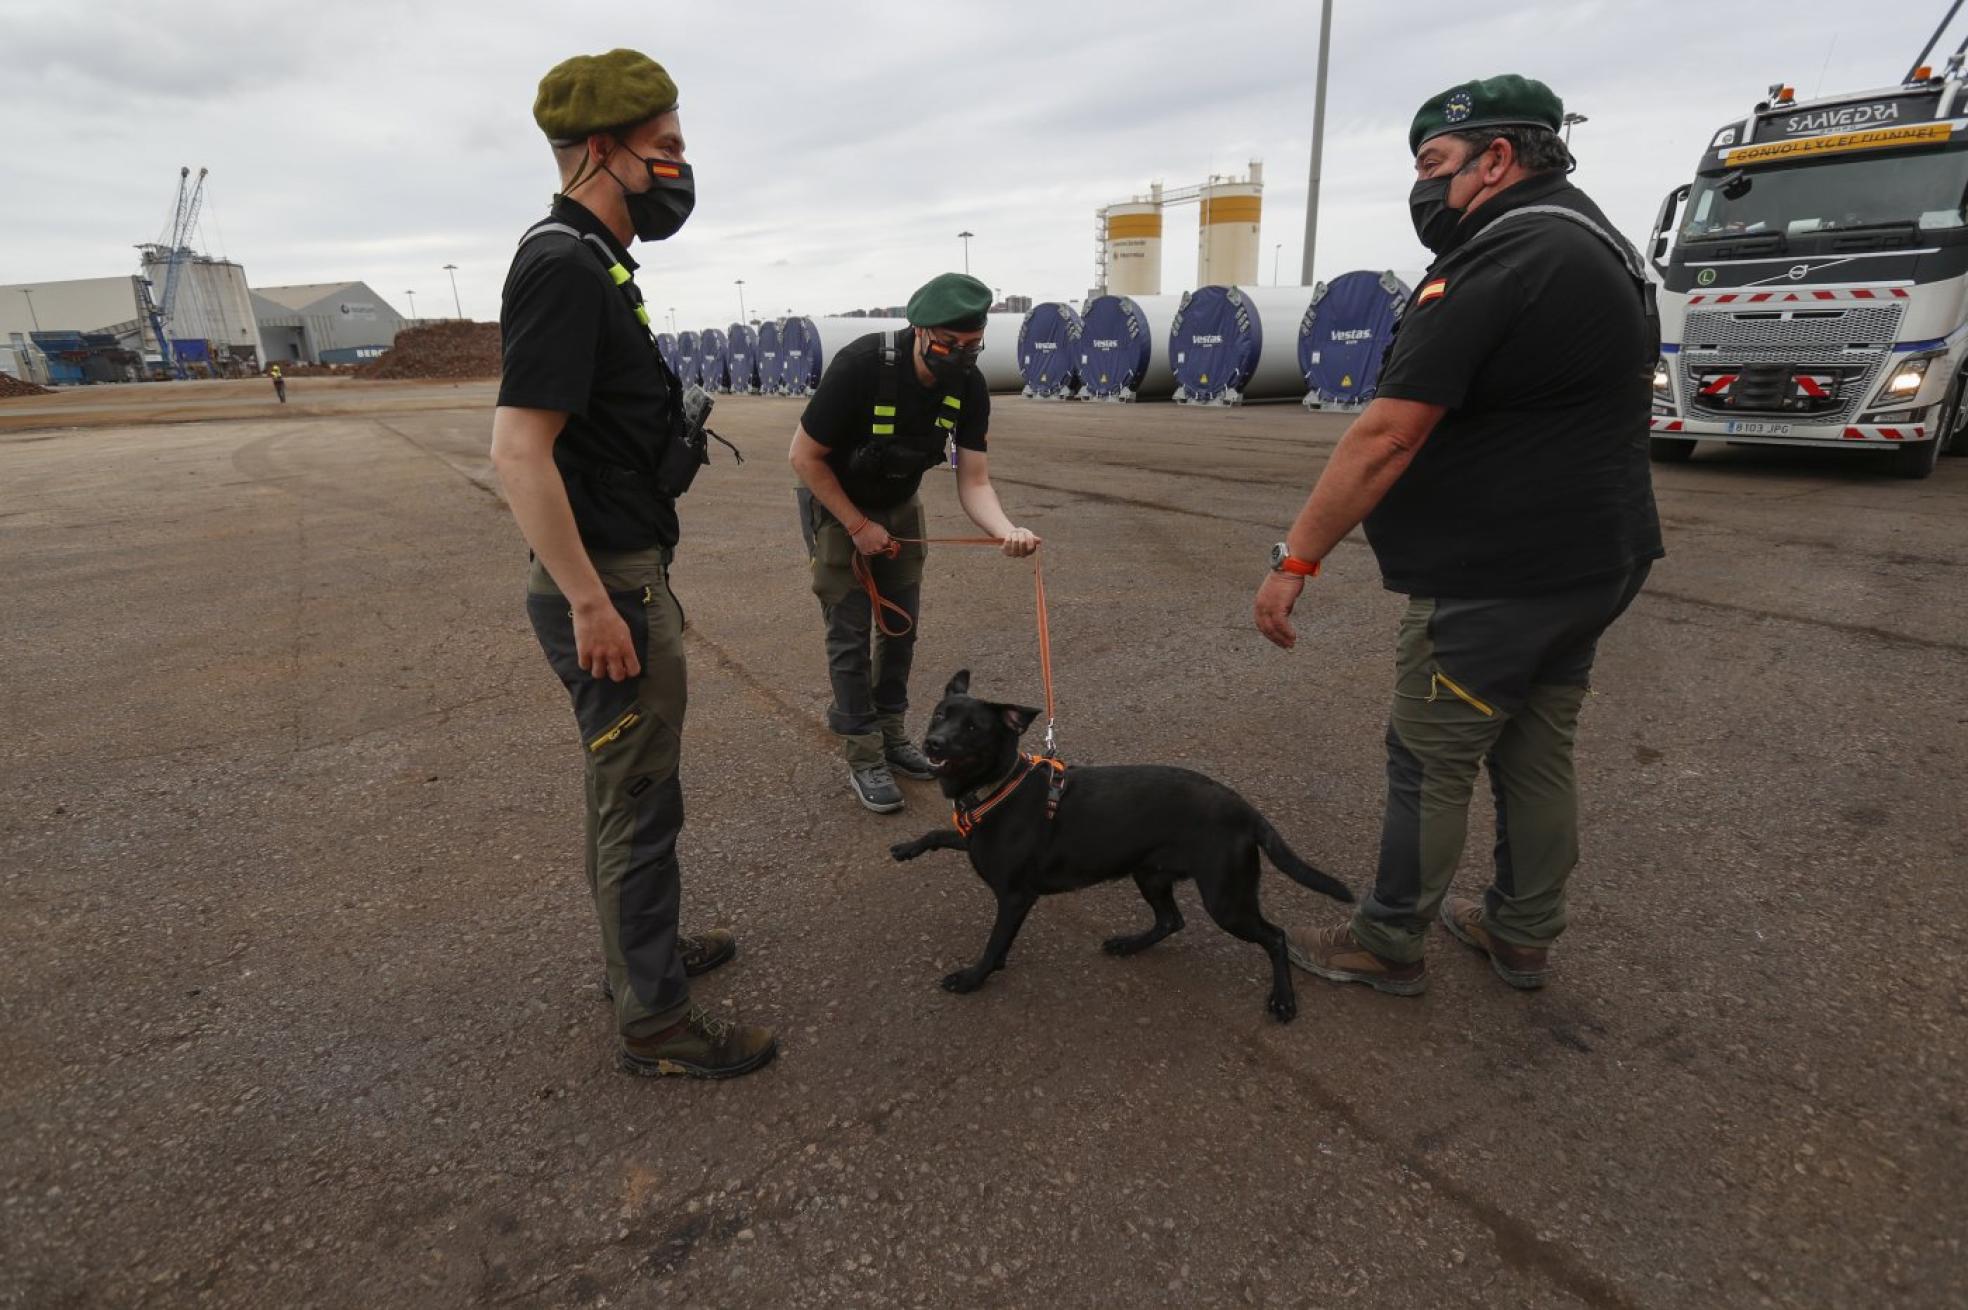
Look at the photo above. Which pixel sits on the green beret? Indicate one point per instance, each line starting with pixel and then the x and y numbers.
pixel 951 300
pixel 1507 101
pixel 591 93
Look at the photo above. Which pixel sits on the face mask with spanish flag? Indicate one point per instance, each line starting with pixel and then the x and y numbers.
pixel 657 213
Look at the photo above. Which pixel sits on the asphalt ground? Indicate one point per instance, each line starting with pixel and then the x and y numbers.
pixel 298 996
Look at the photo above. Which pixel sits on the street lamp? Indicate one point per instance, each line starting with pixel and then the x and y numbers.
pixel 413 305
pixel 741 300
pixel 29 293
pixel 965 238
pixel 672 320
pixel 1569 120
pixel 1277 253
pixel 452 269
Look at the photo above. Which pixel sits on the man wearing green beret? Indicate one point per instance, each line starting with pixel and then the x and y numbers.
pixel 592 445
pixel 1502 475
pixel 887 410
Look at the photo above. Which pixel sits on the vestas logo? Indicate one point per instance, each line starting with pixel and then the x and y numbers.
pixel 1824 120
pixel 1354 334
pixel 1212 339
pixel 1112 343
pixel 1045 345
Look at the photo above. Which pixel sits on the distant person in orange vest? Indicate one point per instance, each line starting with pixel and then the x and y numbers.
pixel 279 383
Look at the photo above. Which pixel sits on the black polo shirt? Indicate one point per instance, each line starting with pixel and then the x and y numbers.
pixel 1535 337
pixel 571 342
pixel 841 412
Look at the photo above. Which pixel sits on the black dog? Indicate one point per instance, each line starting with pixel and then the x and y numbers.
pixel 1033 829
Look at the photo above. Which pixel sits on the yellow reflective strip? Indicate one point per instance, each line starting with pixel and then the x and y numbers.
pixel 884 411
pixel 953 402
pixel 946 423
pixel 884 429
pixel 619 273
pixel 616 729
pixel 1444 680
pixel 642 315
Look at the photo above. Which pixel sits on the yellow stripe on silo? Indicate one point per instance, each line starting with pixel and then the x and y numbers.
pixel 1232 209
pixel 1122 226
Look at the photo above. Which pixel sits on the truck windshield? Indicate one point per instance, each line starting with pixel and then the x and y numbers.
pixel 1925 190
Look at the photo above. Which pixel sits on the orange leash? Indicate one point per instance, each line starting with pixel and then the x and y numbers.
pixel 882 606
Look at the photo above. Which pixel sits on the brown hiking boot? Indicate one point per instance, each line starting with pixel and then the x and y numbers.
pixel 1523 967
pixel 699 1047
pixel 702 952
pixel 1332 954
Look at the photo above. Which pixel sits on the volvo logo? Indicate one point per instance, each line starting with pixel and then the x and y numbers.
pixel 1797 271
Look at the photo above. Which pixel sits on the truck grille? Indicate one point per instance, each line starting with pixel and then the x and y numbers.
pixel 1770 346
pixel 1805 329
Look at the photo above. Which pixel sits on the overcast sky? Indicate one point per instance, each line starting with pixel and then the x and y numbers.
pixel 838 147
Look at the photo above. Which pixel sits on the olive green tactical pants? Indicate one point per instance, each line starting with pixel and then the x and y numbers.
pixel 1496 683
pixel 871 686
pixel 631 740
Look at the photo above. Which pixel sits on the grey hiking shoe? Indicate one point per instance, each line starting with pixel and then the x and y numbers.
pixel 874 786
pixel 907 760
pixel 699 1047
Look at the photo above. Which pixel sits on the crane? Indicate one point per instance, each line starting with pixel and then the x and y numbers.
pixel 173 252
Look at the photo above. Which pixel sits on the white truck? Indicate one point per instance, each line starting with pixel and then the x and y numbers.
pixel 1815 290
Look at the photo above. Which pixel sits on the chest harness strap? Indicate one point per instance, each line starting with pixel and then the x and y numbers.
pixel 965 818
pixel 888 382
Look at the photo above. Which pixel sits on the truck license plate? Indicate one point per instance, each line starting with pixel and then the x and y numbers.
pixel 1748 428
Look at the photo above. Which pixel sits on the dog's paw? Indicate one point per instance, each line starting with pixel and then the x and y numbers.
pixel 1283 1006
pixel 963 980
pixel 1125 945
pixel 904 851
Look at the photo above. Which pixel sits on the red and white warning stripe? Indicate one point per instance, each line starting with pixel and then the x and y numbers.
pixel 1793 297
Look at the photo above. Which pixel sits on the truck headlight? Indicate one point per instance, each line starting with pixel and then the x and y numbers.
pixel 1905 380
pixel 1661 383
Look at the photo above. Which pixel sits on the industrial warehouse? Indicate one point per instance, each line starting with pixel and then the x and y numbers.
pixel 1207 463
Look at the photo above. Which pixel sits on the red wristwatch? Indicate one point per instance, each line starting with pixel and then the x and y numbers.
pixel 1283 561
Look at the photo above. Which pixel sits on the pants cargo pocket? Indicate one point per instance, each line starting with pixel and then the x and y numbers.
pixel 604 711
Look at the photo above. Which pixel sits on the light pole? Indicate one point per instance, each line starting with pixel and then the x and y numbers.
pixel 1318 146
pixel 741 300
pixel 672 320
pixel 452 269
pixel 1569 120
pixel 413 305
pixel 965 238
pixel 1277 253
pixel 36 318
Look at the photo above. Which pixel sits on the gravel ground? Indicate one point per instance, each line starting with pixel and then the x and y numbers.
pixel 298 975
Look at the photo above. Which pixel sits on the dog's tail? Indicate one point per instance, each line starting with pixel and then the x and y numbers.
pixel 1296 869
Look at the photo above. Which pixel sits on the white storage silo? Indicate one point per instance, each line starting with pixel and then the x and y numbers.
pixel 1134 247
pixel 1227 232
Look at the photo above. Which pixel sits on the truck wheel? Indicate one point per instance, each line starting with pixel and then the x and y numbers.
pixel 1950 434
pixel 1918 460
pixel 1670 450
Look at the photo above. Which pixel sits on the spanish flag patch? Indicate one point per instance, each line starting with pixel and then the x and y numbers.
pixel 661 168
pixel 1432 291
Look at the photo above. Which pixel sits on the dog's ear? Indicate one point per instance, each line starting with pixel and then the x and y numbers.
pixel 959 685
pixel 1017 717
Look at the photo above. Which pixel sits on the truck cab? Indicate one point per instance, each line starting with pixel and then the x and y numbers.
pixel 1814 278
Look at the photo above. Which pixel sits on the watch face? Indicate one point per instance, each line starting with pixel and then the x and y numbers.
pixel 1279 554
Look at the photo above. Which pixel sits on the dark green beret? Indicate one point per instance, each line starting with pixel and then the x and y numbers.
pixel 951 300
pixel 590 93
pixel 1507 101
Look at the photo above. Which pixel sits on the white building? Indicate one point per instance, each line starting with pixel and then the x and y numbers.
pixel 324 323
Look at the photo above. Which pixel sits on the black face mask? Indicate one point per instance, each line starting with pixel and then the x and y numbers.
pixel 949 365
pixel 1428 206
pixel 657 214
